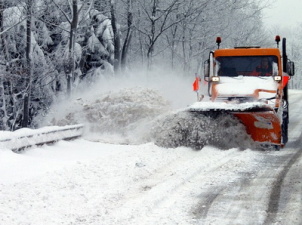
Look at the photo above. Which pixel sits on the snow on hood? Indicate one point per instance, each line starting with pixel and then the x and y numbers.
pixel 243 85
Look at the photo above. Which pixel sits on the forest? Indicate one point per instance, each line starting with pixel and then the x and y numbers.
pixel 50 48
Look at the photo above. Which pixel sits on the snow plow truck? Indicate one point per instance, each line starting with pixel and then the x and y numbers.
pixel 251 83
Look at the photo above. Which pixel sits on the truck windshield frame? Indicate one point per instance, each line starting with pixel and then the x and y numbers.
pixel 232 66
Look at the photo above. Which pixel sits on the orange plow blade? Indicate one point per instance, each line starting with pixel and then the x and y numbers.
pixel 263 126
pixel 260 120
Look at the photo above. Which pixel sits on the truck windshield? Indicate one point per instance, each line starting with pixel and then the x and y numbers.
pixel 246 65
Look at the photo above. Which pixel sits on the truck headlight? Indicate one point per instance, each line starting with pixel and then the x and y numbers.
pixel 215 79
pixel 277 78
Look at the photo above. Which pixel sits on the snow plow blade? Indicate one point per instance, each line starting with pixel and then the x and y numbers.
pixel 261 121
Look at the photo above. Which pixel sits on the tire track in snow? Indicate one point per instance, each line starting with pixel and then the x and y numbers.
pixel 161 190
pixel 202 209
pixel 273 206
pixel 213 195
pixel 244 198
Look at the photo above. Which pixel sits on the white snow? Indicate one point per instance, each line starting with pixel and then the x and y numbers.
pixel 208 105
pixel 90 182
pixel 245 85
pixel 83 182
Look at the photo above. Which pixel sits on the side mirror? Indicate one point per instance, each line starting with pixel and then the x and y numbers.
pixel 206 69
pixel 290 68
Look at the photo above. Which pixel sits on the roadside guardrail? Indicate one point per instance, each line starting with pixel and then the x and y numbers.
pixel 26 138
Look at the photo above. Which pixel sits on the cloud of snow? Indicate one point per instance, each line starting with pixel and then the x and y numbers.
pixel 120 109
pixel 142 107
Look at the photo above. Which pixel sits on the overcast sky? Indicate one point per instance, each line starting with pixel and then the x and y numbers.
pixel 284 12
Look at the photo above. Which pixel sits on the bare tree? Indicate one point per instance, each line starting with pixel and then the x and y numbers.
pixel 72 18
pixel 117 42
pixel 28 67
pixel 121 50
pixel 128 35
pixel 190 40
pixel 157 22
pixel 3 111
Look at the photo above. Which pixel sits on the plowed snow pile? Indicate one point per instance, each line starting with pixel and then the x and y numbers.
pixel 118 117
pixel 196 130
pixel 136 115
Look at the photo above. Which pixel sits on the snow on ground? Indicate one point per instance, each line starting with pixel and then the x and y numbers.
pixel 97 180
pixel 85 182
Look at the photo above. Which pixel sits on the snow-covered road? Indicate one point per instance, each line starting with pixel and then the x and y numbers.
pixel 85 182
